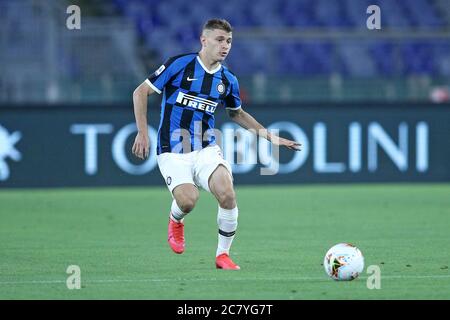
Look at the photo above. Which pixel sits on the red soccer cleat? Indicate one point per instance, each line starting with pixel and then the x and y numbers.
pixel 224 261
pixel 176 236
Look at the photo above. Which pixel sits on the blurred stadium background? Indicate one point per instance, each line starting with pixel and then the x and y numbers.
pixel 289 50
pixel 368 105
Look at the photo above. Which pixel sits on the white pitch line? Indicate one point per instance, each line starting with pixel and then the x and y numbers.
pixel 32 282
pixel 215 279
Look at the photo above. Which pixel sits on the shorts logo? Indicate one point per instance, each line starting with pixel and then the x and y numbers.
pixel 169 180
pixel 220 88
pixel 160 69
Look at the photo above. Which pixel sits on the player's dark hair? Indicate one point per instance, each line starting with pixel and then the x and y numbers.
pixel 221 24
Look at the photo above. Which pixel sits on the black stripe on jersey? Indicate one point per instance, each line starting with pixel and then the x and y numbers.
pixel 226 84
pixel 170 88
pixel 227 234
pixel 164 133
pixel 205 127
pixel 189 71
pixel 172 59
pixel 166 64
pixel 207 83
pixel 185 124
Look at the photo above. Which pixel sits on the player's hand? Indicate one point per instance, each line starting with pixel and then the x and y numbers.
pixel 141 146
pixel 293 145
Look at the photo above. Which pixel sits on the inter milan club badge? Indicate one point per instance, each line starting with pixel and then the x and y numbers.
pixel 220 88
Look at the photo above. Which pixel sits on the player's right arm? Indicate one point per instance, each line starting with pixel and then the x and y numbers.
pixel 141 146
pixel 154 83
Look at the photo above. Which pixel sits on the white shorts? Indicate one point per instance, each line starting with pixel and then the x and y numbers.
pixel 194 167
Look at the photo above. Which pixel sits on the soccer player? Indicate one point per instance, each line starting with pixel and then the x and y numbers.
pixel 193 86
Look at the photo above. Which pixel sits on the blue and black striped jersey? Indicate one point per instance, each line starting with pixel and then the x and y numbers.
pixel 191 94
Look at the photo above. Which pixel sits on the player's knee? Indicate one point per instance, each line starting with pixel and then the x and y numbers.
pixel 186 196
pixel 187 204
pixel 227 199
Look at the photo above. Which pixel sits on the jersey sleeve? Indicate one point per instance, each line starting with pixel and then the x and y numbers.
pixel 158 79
pixel 233 100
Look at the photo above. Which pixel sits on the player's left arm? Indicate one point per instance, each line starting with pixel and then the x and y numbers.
pixel 245 120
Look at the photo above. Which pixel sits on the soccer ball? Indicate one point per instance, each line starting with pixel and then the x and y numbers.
pixel 343 261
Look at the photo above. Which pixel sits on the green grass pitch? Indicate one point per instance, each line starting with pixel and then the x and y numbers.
pixel 118 239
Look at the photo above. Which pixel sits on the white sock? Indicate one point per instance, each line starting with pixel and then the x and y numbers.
pixel 227 221
pixel 175 212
